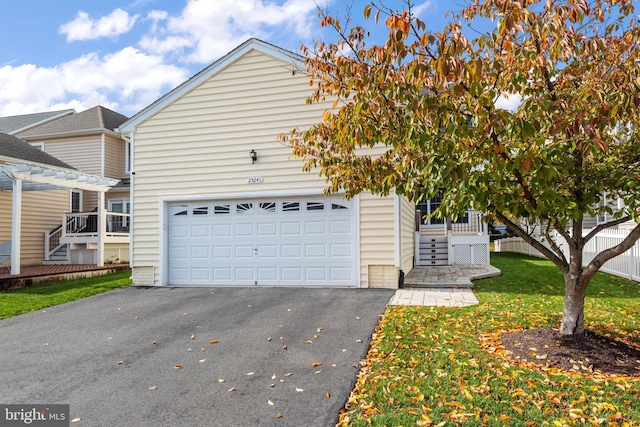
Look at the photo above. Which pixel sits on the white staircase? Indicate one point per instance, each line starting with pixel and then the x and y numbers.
pixel 433 251
pixel 60 256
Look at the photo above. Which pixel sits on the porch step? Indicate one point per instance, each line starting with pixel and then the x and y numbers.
pixel 433 251
pixel 431 262
pixel 60 256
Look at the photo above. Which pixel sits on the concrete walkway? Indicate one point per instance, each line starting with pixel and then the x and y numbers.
pixel 442 286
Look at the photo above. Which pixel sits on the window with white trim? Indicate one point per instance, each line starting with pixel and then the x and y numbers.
pixel 38 145
pixel 75 204
pixel 127 156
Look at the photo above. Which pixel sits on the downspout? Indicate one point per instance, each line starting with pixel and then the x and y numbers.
pixel 131 199
pixel 397 224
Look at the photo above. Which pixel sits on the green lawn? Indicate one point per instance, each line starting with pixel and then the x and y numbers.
pixel 34 298
pixel 427 367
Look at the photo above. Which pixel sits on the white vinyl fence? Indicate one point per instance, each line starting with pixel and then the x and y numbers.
pixel 625 265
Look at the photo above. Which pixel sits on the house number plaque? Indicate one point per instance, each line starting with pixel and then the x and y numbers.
pixel 254 180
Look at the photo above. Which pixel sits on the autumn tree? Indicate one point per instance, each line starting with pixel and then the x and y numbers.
pixel 429 97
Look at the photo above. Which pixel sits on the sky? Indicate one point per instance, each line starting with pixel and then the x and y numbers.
pixel 125 54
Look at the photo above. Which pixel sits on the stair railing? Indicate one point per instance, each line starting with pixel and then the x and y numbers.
pixel 52 242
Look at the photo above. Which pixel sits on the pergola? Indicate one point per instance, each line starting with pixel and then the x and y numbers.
pixel 18 177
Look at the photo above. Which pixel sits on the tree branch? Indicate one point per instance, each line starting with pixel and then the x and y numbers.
pixel 604 226
pixel 561 263
pixel 552 242
pixel 607 254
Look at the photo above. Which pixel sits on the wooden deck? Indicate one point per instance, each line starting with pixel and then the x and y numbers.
pixel 41 274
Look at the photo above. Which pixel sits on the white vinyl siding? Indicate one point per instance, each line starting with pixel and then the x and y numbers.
pixel 35 220
pixel 83 153
pixel 376 234
pixel 114 158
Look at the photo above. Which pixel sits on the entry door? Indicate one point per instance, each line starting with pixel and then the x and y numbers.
pixel 118 224
pixel 427 208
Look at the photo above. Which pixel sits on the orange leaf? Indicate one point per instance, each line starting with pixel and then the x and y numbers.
pixel 176 366
pixel 213 342
pixel 314 364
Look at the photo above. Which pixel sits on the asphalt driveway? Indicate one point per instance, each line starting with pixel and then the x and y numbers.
pixel 149 356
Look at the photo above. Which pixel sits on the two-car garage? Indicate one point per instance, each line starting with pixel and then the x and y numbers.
pixel 304 241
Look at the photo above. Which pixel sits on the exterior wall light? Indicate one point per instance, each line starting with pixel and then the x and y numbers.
pixel 254 156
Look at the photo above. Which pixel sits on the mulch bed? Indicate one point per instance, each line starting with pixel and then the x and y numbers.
pixel 589 353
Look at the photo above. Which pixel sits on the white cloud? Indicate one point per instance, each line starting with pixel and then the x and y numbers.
pixel 205 30
pixel 128 79
pixel 509 102
pixel 84 28
pixel 421 8
pixel 125 81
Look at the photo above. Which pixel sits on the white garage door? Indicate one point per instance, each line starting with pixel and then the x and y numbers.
pixel 302 241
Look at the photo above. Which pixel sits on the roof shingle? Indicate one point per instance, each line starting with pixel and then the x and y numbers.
pixel 94 118
pixel 15 148
pixel 11 124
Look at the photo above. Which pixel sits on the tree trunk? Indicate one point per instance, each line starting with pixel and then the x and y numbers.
pixel 573 312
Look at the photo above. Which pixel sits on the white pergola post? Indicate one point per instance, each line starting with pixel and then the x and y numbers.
pixel 16 226
pixel 102 229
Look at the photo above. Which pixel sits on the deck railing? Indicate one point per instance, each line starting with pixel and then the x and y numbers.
pixel 472 223
pixel 86 224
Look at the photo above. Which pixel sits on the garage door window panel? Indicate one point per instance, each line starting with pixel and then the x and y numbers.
pixel 222 209
pixel 290 207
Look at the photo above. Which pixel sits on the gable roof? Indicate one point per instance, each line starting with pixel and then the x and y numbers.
pixel 96 119
pixel 19 150
pixel 297 62
pixel 15 124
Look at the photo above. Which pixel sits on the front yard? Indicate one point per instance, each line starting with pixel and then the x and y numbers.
pixel 34 298
pixel 432 366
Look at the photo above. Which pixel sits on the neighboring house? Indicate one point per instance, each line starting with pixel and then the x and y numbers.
pixel 218 200
pixel 14 124
pixel 87 142
pixel 34 194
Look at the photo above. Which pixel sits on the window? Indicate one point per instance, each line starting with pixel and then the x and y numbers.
pixel 244 208
pixel 267 207
pixel 290 206
pixel 118 223
pixel 76 201
pixel 119 205
pixel 200 210
pixel 427 208
pixel 221 209
pixel 602 216
pixel 178 210
pixel 38 145
pixel 127 155
pixel 315 206
pixel 339 206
